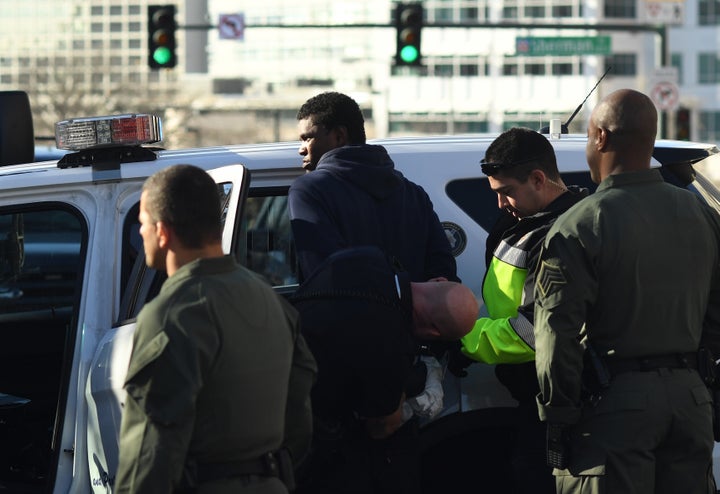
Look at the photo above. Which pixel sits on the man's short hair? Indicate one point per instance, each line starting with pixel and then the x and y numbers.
pixel 518 151
pixel 187 199
pixel 332 110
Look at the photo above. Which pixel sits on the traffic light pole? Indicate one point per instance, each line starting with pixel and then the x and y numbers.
pixel 659 29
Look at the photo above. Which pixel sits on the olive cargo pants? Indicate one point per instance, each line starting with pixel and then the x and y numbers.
pixel 650 433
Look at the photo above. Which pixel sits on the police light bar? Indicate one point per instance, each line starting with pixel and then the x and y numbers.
pixel 112 130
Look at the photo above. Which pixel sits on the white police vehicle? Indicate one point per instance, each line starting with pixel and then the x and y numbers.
pixel 73 279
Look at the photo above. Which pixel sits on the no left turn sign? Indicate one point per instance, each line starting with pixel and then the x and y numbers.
pixel 665 95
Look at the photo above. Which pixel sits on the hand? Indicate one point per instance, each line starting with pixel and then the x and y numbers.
pixel 458 362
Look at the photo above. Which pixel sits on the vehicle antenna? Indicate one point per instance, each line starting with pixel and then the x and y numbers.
pixel 586 97
pixel 564 128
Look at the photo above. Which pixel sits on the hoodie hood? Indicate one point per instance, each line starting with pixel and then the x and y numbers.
pixel 365 165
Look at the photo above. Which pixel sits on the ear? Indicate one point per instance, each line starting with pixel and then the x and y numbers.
pixel 601 139
pixel 537 178
pixel 164 235
pixel 342 137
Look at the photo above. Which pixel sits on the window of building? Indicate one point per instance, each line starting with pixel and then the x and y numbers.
pixel 96 27
pixel 676 60
pixel 96 10
pixel 134 27
pixel 623 64
pixel 116 44
pixel 534 69
pixel 443 70
pixel 510 68
pixel 510 12
pixel 134 43
pixel 6 79
pixel 133 9
pixel 708 12
pixel 620 9
pixel 116 27
pixel 471 127
pixel 468 69
pixel 469 14
pixel 444 14
pixel 115 10
pixel 708 68
pixel 534 11
pixel 709 130
pixel 562 11
pixel 563 68
pixel 96 44
pixel 530 124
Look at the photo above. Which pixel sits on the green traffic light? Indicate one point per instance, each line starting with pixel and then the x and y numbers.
pixel 162 55
pixel 409 54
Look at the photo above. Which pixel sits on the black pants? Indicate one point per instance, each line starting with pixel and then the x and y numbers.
pixel 357 464
pixel 531 473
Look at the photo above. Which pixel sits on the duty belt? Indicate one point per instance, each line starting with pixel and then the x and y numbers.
pixel 265 466
pixel 651 363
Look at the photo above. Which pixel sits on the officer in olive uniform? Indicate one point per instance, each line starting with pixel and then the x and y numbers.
pixel 626 293
pixel 217 361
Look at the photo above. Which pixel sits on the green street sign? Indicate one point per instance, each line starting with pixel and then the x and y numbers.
pixel 562 46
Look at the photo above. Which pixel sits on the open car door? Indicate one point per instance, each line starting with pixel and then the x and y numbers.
pixel 106 372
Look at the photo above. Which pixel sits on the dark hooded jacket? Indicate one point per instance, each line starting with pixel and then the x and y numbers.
pixel 356 197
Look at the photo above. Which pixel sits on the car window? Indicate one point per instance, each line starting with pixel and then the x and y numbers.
pixel 140 284
pixel 42 252
pixel 475 197
pixel 265 241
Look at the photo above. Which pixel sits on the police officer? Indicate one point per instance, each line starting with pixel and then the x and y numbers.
pixel 217 362
pixel 522 170
pixel 628 282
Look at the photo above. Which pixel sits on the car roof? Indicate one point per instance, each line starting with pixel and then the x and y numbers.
pixel 450 151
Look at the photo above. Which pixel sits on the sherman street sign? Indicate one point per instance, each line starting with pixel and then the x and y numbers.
pixel 562 46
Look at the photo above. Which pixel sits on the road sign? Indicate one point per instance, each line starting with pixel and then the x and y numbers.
pixel 665 95
pixel 562 46
pixel 665 12
pixel 231 26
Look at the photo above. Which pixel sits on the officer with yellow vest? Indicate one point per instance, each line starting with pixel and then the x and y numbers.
pixel 522 170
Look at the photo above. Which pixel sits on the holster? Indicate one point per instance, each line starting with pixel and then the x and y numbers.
pixel 596 376
pixel 708 370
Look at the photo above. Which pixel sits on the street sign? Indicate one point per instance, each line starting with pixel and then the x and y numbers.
pixel 668 12
pixel 666 96
pixel 562 46
pixel 231 26
pixel 664 91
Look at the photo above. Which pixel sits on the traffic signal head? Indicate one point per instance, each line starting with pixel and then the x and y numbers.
pixel 408 27
pixel 161 36
pixel 682 124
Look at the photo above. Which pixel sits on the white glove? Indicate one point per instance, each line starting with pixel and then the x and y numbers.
pixel 430 402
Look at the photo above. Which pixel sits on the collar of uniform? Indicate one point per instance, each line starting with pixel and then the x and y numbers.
pixel 203 266
pixel 629 178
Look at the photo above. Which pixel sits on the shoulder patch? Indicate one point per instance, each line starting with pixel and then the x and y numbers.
pixel 550 278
